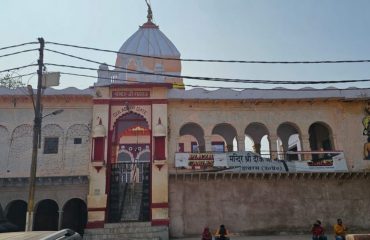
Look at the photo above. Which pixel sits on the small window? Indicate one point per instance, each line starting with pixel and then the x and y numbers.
pixel 51 145
pixel 77 140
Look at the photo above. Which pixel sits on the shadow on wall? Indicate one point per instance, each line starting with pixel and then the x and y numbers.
pixel 5 225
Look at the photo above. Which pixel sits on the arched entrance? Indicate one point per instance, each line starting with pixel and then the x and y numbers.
pixel 46 216
pixel 16 213
pixel 75 215
pixel 129 198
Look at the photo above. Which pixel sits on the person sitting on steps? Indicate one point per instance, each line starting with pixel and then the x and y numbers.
pixel 340 230
pixel 318 232
pixel 206 235
pixel 222 233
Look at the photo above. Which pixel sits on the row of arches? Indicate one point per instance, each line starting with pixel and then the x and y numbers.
pixel 256 137
pixel 48 216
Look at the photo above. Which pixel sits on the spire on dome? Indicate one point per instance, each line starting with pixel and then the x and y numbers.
pixel 149 23
pixel 150 13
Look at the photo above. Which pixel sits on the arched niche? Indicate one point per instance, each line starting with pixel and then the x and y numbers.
pixel 256 131
pixel 227 132
pixel 193 132
pixel 74 215
pixel 46 216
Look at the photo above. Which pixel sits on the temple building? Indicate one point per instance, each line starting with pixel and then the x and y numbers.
pixel 137 149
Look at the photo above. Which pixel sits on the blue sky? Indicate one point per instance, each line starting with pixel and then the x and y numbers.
pixel 273 30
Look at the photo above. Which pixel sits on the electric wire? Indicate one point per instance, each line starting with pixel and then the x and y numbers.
pixel 17 68
pixel 213 60
pixel 18 45
pixel 142 82
pixel 22 75
pixel 236 80
pixel 195 86
pixel 15 53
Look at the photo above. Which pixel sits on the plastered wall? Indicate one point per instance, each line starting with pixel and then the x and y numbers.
pixel 262 206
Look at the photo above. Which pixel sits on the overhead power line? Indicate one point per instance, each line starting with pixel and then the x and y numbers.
pixel 17 68
pixel 18 45
pixel 186 85
pixel 22 75
pixel 15 53
pixel 142 82
pixel 126 70
pixel 213 60
pixel 215 79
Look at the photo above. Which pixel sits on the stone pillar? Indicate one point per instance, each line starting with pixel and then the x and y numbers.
pixel 257 148
pixel 273 146
pixel 208 143
pixel 241 143
pixel 305 144
pixel 159 177
pixel 60 218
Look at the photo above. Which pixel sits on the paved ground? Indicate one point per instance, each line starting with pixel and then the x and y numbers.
pixel 280 237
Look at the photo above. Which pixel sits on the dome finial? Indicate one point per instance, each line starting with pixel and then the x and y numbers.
pixel 150 13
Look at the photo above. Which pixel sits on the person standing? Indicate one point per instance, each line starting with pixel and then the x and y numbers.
pixel 340 230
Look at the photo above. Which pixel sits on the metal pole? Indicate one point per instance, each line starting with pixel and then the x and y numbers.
pixel 36 133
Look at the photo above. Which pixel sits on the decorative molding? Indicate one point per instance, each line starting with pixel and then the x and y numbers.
pixel 159 163
pixel 101 209
pixel 160 222
pixel 160 205
pixel 210 176
pixel 95 224
pixel 132 101
pixel 44 181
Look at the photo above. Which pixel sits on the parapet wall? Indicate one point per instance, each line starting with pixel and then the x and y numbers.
pixel 267 204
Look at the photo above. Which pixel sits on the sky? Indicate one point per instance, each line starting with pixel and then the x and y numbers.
pixel 266 30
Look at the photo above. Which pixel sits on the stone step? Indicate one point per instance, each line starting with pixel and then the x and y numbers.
pixel 128 224
pixel 120 237
pixel 134 235
pixel 126 230
pixel 130 238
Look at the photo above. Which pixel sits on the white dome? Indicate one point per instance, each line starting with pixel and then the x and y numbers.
pixel 149 40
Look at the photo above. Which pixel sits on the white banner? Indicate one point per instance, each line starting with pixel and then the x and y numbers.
pixel 336 163
pixel 252 162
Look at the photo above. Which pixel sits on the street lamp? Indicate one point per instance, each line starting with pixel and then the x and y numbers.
pixel 56 112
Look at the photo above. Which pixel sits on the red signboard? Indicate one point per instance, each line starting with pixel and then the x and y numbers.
pixel 130 94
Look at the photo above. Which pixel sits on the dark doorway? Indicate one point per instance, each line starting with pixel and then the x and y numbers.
pixel 46 216
pixel 75 215
pixel 16 213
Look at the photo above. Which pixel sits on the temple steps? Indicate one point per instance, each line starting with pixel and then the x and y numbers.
pixel 127 230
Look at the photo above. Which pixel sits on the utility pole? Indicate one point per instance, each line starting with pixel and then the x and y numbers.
pixel 35 140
